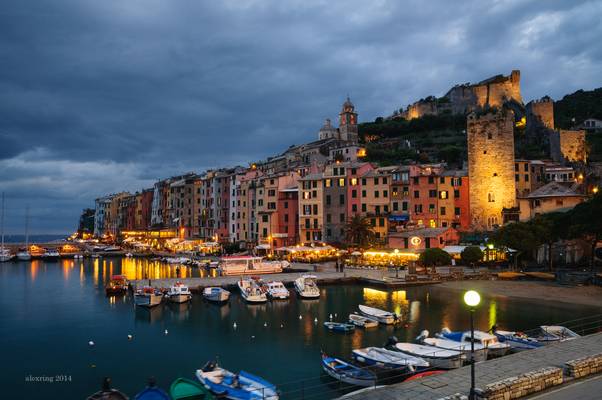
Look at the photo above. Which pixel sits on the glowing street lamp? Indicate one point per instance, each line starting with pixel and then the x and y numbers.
pixel 472 299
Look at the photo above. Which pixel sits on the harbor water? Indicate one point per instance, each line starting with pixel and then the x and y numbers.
pixel 52 310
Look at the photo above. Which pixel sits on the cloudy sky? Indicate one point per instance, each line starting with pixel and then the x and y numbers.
pixel 104 96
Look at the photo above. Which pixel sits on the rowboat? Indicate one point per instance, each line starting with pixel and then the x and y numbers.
pixel 339 326
pixel 216 294
pixel 152 392
pixel 488 341
pixel 480 352
pixel 241 386
pixel 186 389
pixel 362 321
pixel 518 341
pixel 389 359
pixel 117 285
pixel 251 291
pixel 179 293
pixel 148 297
pixel 555 333
pixel 436 357
pixel 306 287
pixel 346 372
pixel 382 316
pixel 107 393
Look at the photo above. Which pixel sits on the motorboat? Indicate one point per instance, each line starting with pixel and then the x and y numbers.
pixel 177 260
pixel 347 372
pixel 216 294
pixel 382 316
pixel 480 352
pixel 362 321
pixel 51 254
pixel 240 386
pixel 249 265
pixel 487 340
pixel 186 389
pixel 107 393
pixel 436 357
pixel 5 254
pixel 518 341
pixel 23 255
pixel 307 287
pixel 117 285
pixel 555 333
pixel 78 256
pixel 148 297
pixel 129 255
pixel 389 359
pixel 251 291
pixel 276 290
pixel 339 326
pixel 178 293
pixel 152 392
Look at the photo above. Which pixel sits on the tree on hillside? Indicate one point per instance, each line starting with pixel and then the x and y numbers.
pixel 471 255
pixel 434 257
pixel 586 222
pixel 358 231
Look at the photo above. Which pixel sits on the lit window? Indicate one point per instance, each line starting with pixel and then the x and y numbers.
pixel 432 223
pixel 353 181
pixel 341 182
pixel 491 197
pixel 443 194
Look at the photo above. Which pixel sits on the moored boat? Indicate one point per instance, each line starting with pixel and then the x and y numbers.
pixel 480 352
pixel 117 285
pixel 276 290
pixel 307 287
pixel 23 255
pixel 251 291
pixel 152 392
pixel 249 265
pixel 187 389
pixel 147 297
pixel 216 294
pixel 51 254
pixel 382 316
pixel 389 359
pixel 486 340
pixel 5 254
pixel 178 293
pixel 339 326
pixel 518 341
pixel 436 357
pixel 555 333
pixel 347 372
pixel 107 393
pixel 240 386
pixel 362 321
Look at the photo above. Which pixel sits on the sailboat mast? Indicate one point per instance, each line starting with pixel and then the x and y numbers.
pixel 27 228
pixel 2 223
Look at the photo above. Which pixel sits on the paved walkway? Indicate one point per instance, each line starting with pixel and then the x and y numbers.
pixel 458 381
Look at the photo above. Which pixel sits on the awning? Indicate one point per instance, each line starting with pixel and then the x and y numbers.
pixel 263 247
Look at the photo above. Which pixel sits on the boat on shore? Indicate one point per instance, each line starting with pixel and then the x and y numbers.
pixel 346 372
pixel 486 340
pixel 436 357
pixel 117 285
pixel 216 294
pixel 187 389
pixel 240 386
pixel 148 297
pixel 249 265
pixel 389 359
pixel 480 352
pixel 251 291
pixel 306 287
pixel 362 321
pixel 277 291
pixel 178 293
pixel 339 327
pixel 382 316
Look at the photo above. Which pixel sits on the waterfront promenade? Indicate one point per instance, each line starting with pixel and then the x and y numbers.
pixel 458 381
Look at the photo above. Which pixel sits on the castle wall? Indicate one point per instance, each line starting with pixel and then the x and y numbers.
pixel 490 167
pixel 421 108
pixel 568 145
pixel 540 113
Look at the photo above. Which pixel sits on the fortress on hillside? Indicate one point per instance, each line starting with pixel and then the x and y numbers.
pixel 466 98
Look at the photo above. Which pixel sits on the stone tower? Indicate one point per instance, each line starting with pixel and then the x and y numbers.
pixel 348 122
pixel 540 113
pixel 490 167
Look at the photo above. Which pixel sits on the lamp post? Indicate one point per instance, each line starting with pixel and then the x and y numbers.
pixel 472 299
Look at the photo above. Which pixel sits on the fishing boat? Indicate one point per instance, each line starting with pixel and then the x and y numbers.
pixel 152 392
pixel 362 321
pixel 117 285
pixel 346 372
pixel 518 341
pixel 389 359
pixel 187 389
pixel 487 340
pixel 178 293
pixel 306 287
pixel 216 294
pixel 107 393
pixel 480 352
pixel 251 291
pixel 436 357
pixel 276 290
pixel 382 316
pixel 249 265
pixel 339 326
pixel 50 254
pixel 240 386
pixel 5 254
pixel 147 297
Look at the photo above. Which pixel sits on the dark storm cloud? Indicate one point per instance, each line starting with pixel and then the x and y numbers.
pixel 99 97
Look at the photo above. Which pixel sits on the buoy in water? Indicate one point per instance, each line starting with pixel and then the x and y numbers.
pixel 253 337
pixel 300 317
pixel 281 325
pixel 335 315
pixel 166 332
pixel 265 324
pixel 316 320
pixel 330 316
pixel 234 325
pixel 130 337
pixel 90 343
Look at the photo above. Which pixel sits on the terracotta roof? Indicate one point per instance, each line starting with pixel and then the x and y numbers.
pixel 555 189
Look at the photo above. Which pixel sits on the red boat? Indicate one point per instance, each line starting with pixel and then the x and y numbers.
pixel 424 375
pixel 117 285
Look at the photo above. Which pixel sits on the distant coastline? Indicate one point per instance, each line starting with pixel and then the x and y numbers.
pixel 34 238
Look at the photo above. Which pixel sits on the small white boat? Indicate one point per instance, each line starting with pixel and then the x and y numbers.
pixel 276 290
pixel 177 260
pixel 362 321
pixel 147 297
pixel 555 333
pixel 251 291
pixel 216 294
pixel 5 255
pixel 129 255
pixel 488 341
pixel 51 254
pixel 436 357
pixel 307 287
pixel 78 256
pixel 249 265
pixel 389 359
pixel 382 316
pixel 23 255
pixel 179 293
pixel 480 352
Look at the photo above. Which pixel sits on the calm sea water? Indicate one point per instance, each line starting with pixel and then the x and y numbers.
pixel 50 310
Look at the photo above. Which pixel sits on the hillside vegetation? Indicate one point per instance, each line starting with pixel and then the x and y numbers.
pixel 580 105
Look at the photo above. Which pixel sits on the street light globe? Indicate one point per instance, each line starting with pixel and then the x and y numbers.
pixel 472 298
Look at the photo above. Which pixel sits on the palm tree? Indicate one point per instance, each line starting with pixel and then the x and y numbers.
pixel 358 230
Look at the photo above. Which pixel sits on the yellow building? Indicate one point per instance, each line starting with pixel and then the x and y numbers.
pixel 554 196
pixel 311 208
pixel 375 199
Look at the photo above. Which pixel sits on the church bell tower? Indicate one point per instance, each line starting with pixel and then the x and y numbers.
pixel 348 122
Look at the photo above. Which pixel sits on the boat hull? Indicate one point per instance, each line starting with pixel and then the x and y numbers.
pixel 217 298
pixel 348 373
pixel 146 300
pixel 179 298
pixel 23 256
pixel 5 258
pixel 304 294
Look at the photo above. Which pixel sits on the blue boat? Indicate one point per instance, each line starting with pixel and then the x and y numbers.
pixel 241 386
pixel 346 372
pixel 518 341
pixel 494 347
pixel 339 326
pixel 152 392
